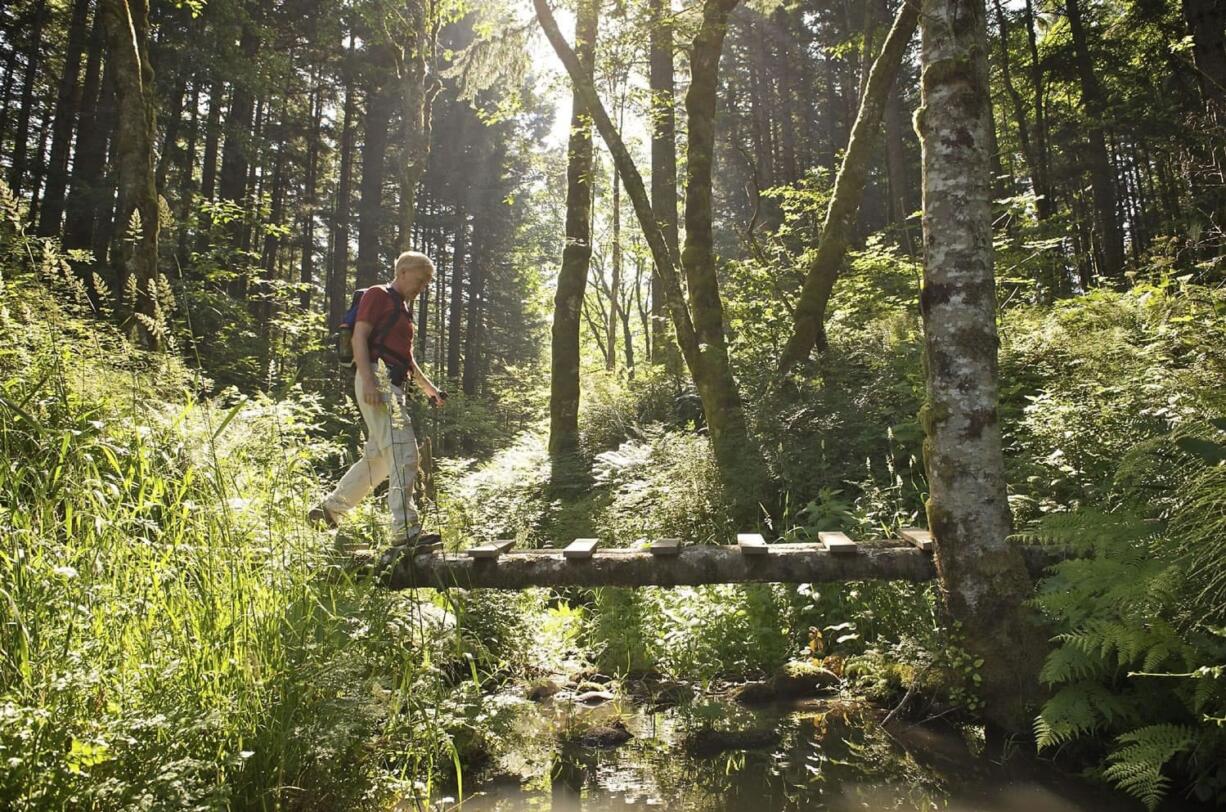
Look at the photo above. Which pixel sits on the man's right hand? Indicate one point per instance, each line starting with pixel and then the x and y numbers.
pixel 370 391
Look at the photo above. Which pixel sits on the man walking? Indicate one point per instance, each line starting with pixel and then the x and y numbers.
pixel 383 333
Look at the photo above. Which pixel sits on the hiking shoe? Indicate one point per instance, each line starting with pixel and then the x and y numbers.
pixel 321 516
pixel 419 543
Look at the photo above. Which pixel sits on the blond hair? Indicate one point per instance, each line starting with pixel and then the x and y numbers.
pixel 412 260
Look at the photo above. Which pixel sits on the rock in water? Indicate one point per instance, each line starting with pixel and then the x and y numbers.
pixel 754 693
pixel 708 742
pixel 594 697
pixel 799 678
pixel 542 689
pixel 610 735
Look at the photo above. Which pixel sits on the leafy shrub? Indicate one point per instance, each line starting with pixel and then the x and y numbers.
pixel 664 486
pixel 726 631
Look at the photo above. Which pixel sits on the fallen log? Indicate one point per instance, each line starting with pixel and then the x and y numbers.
pixel 692 566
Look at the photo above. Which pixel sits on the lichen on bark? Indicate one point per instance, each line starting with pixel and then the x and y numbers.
pixel 982 576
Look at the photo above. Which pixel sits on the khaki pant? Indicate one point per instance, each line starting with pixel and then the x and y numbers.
pixel 390 453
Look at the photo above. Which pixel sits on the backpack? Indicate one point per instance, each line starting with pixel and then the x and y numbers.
pixel 344 330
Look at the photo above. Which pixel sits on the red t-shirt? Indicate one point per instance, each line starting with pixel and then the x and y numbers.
pixel 393 344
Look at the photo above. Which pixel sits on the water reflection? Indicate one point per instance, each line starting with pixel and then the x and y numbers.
pixel 825 756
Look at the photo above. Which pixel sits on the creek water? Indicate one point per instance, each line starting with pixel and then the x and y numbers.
pixel 809 755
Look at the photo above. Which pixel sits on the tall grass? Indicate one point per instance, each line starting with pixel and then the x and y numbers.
pixel 174 635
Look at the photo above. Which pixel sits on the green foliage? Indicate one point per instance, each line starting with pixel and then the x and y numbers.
pixel 1136 767
pixel 719 631
pixel 174 635
pixel 1129 663
pixel 663 486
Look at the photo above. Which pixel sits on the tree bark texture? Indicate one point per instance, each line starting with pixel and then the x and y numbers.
pixel 838 228
pixel 126 24
pixel 663 162
pixel 577 252
pixel 982 576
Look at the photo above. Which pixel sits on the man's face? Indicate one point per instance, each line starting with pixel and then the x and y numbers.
pixel 415 280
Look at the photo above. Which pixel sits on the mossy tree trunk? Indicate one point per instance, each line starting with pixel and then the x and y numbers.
pixel 576 254
pixel 126 28
pixel 982 577
pixel 848 191
pixel 700 333
pixel 663 164
pixel 739 459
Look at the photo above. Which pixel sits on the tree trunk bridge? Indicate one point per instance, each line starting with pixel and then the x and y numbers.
pixel 669 564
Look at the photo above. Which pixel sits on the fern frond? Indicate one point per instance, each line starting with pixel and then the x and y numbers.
pixel 1136 767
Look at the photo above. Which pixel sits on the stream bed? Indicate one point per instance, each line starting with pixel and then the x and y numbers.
pixel 714 754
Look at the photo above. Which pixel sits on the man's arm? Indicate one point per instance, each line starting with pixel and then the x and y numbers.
pixel 361 358
pixel 426 385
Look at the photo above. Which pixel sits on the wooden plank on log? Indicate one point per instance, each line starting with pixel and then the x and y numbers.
pixel 752 544
pixel 580 548
pixel 666 547
pixel 695 564
pixel 919 537
pixel 492 550
pixel 838 542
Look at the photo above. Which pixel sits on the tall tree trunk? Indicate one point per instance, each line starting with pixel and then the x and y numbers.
pixel 982 577
pixel 17 170
pixel 577 253
pixel 261 298
pixel 615 283
pixel 92 134
pixel 738 457
pixel 412 52
pixel 306 273
pixel 474 323
pixel 238 150
pixel 1098 162
pixel 67 104
pixel 126 23
pixel 740 464
pixel 170 138
pixel 1046 204
pixel 106 192
pixel 848 191
pixel 663 163
pixel 379 104
pixel 456 308
pixel 337 303
pixel 212 142
pixel 895 162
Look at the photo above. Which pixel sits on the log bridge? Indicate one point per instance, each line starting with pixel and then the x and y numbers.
pixel 669 563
